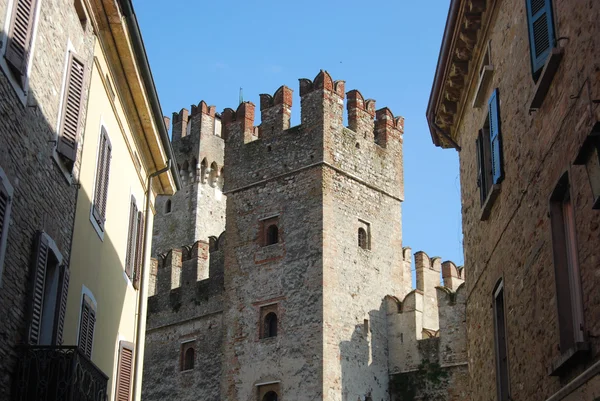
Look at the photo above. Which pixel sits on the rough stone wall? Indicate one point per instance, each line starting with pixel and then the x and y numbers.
pixel 198 209
pixel 515 243
pixel 43 199
pixel 317 177
pixel 426 363
pixel 182 309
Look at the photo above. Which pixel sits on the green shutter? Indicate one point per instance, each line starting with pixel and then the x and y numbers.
pixel 541 32
pixel 495 137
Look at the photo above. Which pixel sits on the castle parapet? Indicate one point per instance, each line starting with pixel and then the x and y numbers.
pixel 453 276
pixel 180 124
pixel 430 313
pixel 192 273
pixel 361 114
pixel 275 111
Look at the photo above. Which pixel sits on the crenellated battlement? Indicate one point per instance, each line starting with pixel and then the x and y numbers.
pixel 431 311
pixel 191 273
pixel 369 149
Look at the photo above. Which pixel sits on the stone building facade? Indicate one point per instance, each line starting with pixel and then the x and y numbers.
pixel 297 303
pixel 37 185
pixel 516 92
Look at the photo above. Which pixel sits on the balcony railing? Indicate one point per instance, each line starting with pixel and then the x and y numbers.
pixel 51 373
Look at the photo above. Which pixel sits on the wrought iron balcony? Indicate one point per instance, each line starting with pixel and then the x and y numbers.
pixel 52 373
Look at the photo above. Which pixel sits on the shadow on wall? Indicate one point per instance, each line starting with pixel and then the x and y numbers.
pixel 363 360
pixel 44 200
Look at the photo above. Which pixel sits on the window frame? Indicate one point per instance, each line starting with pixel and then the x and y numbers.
pixel 21 88
pixel 366 227
pixel 502 372
pixel 100 229
pixel 565 252
pixel 184 348
pixel 264 312
pixel 265 224
pixel 8 189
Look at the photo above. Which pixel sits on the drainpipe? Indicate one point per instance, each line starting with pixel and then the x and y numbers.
pixel 140 332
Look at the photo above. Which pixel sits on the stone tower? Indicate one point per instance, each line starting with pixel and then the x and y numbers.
pixel 314 244
pixel 197 211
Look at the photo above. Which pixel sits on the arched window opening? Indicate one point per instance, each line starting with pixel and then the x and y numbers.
pixel 270 328
pixel 213 244
pixel 362 238
pixel 188 356
pixel 168 206
pixel 272 236
pixel 270 396
pixel 203 172
pixel 188 362
pixel 214 174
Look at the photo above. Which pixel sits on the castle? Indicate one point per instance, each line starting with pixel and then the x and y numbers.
pixel 279 270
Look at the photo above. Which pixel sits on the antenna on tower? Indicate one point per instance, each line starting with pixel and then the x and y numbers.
pixel 241 96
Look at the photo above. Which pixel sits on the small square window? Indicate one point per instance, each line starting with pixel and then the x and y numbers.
pixel 269 321
pixel 269 231
pixel 188 356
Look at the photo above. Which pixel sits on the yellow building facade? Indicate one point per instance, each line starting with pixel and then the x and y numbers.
pixel 124 144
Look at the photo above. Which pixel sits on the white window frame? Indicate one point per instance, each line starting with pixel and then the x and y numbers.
pixel 21 92
pixel 4 235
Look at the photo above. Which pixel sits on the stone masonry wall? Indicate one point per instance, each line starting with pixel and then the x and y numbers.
pixel 515 243
pixel 184 309
pixel 198 209
pixel 429 363
pixel 43 198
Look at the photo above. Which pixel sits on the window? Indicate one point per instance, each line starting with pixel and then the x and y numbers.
pixel 214 174
pixel 268 391
pixel 203 171
pixel 213 244
pixel 168 206
pixel 49 298
pixel 489 152
pixel 102 174
pixel 87 324
pixel 364 235
pixel 566 267
pixel 124 371
pixel 270 396
pixel 269 234
pixel 272 236
pixel 80 9
pixel 135 244
pixel 502 383
pixel 269 321
pixel 362 238
pixel 6 193
pixel 187 356
pixel 71 110
pixel 19 40
pixel 270 325
pixel 541 33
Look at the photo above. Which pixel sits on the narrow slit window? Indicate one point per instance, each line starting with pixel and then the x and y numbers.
pixel 270 329
pixel 188 356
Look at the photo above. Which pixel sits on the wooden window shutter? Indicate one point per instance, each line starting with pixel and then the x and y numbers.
pixel 71 109
pixel 541 32
pixel 139 262
pixel 131 238
pixel 40 261
pixel 86 328
pixel 495 137
pixel 61 305
pixel 124 371
pixel 19 35
pixel 102 175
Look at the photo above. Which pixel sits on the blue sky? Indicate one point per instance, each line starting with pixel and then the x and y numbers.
pixel 388 50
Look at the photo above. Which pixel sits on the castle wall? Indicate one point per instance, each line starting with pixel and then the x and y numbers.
pixel 427 364
pixel 182 310
pixel 198 209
